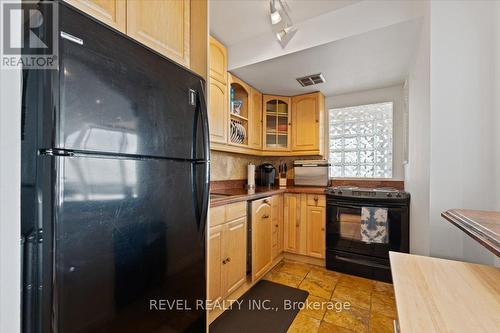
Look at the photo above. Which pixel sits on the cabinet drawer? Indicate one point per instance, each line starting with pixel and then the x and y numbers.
pixel 236 210
pixel 316 200
pixel 217 215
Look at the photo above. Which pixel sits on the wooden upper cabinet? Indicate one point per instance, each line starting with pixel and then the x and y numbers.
pixel 198 48
pixel 255 120
pixel 217 111
pixel 218 60
pixel 162 25
pixel 277 120
pixel 239 94
pixel 307 121
pixel 110 12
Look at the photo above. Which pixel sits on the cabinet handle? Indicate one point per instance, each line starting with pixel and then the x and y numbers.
pixel 276 225
pixel 297 224
pixel 224 261
pixel 395 325
pixel 228 259
pixel 266 201
pixel 322 229
pixel 265 216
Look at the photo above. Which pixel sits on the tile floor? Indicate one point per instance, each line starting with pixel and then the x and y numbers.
pixel 372 307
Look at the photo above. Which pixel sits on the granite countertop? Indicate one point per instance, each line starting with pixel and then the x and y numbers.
pixel 226 196
pixel 483 226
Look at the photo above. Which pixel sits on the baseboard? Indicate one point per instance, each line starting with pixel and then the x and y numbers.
pixel 304 259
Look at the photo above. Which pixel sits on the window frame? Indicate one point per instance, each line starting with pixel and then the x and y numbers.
pixel 327 135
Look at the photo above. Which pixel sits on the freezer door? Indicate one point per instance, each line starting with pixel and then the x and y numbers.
pixel 117 96
pixel 129 244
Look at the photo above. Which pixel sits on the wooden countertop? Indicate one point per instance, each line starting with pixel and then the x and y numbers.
pixel 233 195
pixel 438 295
pixel 483 226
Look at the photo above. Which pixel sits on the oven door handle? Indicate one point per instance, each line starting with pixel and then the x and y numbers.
pixel 345 206
pixel 358 261
pixel 358 206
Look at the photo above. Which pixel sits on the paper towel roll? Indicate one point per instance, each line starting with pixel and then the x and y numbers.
pixel 251 175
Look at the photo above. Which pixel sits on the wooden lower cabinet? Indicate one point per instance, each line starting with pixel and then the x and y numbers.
pixel 315 220
pixel 304 224
pixel 227 251
pixel 215 253
pixel 277 215
pixel 261 237
pixel 291 222
pixel 234 263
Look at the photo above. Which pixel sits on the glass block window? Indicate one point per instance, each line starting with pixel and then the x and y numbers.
pixel 360 141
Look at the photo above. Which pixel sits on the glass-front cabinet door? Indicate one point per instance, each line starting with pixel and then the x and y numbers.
pixel 277 121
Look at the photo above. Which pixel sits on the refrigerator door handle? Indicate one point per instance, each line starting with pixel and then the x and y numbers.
pixel 201 204
pixel 201 207
pixel 29 286
pixel 24 102
pixel 203 114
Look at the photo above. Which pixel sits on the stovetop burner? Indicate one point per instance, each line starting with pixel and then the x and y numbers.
pixel 359 192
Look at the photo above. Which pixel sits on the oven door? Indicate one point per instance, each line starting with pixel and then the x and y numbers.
pixel 344 229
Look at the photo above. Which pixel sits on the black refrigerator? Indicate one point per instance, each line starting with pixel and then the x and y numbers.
pixel 115 175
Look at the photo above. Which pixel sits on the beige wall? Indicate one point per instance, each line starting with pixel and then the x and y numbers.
pixel 229 166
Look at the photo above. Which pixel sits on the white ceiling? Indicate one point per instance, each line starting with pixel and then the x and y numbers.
pixel 233 21
pixel 357 45
pixel 375 59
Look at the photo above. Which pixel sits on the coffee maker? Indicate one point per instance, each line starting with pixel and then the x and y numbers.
pixel 266 174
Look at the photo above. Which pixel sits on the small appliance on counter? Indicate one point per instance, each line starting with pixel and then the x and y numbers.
pixel 282 169
pixel 266 174
pixel 311 173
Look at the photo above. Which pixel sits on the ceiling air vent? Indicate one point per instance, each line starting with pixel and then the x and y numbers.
pixel 311 80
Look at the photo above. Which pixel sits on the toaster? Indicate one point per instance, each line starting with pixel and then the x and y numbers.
pixel 311 172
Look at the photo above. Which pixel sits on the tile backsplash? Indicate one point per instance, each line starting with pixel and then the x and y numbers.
pixel 229 166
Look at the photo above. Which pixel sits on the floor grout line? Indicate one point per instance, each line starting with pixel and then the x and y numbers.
pixel 324 279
